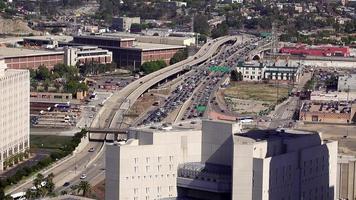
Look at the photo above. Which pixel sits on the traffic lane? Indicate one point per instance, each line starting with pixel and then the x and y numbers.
pixel 94 172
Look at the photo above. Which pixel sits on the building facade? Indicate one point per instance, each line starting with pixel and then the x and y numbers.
pixel 126 52
pixel 15 114
pixel 124 23
pixel 20 58
pixel 347 83
pixel 284 165
pixel 258 71
pixel 86 54
pixel 346 176
pixel 145 167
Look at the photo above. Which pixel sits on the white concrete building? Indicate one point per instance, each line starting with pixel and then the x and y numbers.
pixel 146 166
pixel 260 165
pixel 284 165
pixel 14 112
pixel 86 54
pixel 268 70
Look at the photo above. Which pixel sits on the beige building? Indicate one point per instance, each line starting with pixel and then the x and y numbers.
pixel 145 167
pixel 14 112
pixel 221 162
pixel 86 54
pixel 346 175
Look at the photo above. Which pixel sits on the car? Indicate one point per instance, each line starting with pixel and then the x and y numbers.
pixel 91 149
pixel 66 184
pixel 91 116
pixel 83 176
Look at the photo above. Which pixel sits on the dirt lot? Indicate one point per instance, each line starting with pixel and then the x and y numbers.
pixel 251 98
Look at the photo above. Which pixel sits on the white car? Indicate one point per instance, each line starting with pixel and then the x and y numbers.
pixel 83 176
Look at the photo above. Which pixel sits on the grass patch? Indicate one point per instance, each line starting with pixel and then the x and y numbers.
pixel 256 91
pixel 49 141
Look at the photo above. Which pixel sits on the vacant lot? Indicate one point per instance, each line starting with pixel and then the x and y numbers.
pixel 256 91
pixel 49 141
pixel 252 98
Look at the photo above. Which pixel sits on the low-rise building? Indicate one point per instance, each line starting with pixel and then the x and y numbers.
pixel 127 52
pixel 328 112
pixel 21 58
pixel 268 70
pixel 347 83
pixel 86 54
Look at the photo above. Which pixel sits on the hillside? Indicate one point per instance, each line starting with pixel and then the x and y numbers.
pixel 13 27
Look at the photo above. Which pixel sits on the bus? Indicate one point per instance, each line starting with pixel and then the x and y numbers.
pixel 19 196
pixel 245 120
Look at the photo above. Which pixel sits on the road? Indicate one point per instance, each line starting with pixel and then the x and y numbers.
pixel 110 115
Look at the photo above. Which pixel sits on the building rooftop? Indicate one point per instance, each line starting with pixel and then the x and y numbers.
pixel 327 107
pixel 19 52
pixel 154 46
pixel 267 135
pixel 106 37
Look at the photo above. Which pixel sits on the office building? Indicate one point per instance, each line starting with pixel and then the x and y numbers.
pixel 260 164
pixel 124 23
pixel 126 51
pixel 346 177
pixel 145 167
pixel 14 112
pixel 21 58
pixel 86 54
pixel 268 70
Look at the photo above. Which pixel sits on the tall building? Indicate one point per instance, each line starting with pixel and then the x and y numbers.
pixel 260 165
pixel 346 177
pixel 220 162
pixel 145 167
pixel 124 23
pixel 14 112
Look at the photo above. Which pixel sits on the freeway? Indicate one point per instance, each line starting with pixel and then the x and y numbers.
pixel 110 116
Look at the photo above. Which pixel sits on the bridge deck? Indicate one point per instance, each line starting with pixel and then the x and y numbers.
pixel 107 130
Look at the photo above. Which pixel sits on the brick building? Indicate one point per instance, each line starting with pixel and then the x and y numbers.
pixel 328 112
pixel 127 52
pixel 20 58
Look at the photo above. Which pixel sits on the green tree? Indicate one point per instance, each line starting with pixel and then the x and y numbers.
pixel 85 187
pixel 201 24
pixel 236 76
pixel 220 30
pixel 151 66
pixel 42 73
pixel 179 56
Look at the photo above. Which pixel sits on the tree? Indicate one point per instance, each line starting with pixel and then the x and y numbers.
pixel 220 30
pixel 201 24
pixel 42 73
pixel 85 187
pixel 179 56
pixel 236 76
pixel 151 66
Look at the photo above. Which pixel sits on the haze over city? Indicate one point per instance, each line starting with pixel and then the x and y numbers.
pixel 177 100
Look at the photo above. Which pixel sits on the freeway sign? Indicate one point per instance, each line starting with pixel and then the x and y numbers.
pixel 219 69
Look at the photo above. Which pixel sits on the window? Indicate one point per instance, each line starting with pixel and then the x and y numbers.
pixel 135 190
pixel 170 158
pixel 159 158
pixel 147 168
pixel 135 160
pixel 147 159
pixel 147 190
pixel 136 169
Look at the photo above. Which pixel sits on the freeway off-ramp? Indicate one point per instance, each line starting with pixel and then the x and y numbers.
pixel 110 114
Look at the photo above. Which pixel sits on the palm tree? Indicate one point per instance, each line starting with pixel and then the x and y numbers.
pixel 85 187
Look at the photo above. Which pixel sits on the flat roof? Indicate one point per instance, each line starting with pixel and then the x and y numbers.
pixel 106 37
pixel 253 136
pixel 21 52
pixel 59 38
pixel 154 46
